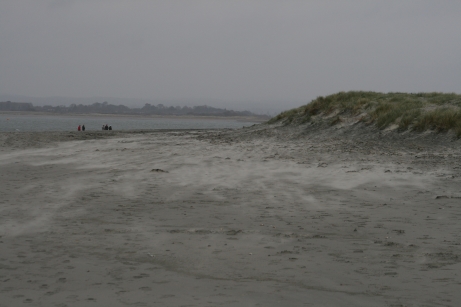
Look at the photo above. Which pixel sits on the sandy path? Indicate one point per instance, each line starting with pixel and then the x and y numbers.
pixel 248 223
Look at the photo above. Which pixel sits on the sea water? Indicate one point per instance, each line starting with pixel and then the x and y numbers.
pixel 16 122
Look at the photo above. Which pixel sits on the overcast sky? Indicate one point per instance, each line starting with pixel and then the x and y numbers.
pixel 272 52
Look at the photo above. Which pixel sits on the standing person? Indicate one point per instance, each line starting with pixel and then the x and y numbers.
pixel 83 127
pixel 102 126
pixel 78 128
pixel 110 127
pixel 106 127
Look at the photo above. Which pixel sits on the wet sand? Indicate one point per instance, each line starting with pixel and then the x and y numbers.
pixel 228 218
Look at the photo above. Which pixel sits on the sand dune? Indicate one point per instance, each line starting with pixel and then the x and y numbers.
pixel 254 217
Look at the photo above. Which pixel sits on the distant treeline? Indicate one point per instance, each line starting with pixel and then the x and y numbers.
pixel 16 106
pixel 106 108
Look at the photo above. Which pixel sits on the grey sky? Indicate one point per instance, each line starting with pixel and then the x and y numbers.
pixel 272 52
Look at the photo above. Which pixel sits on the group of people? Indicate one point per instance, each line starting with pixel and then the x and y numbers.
pixel 104 127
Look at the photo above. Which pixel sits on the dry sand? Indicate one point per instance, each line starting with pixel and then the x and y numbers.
pixel 254 217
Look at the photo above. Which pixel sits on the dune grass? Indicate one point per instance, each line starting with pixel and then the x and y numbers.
pixel 419 111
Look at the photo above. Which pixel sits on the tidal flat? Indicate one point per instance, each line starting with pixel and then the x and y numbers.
pixel 249 217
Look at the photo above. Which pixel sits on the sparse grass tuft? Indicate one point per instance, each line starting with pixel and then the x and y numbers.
pixel 387 113
pixel 441 120
pixel 335 120
pixel 408 118
pixel 289 116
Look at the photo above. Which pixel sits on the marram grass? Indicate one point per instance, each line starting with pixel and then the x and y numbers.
pixel 418 112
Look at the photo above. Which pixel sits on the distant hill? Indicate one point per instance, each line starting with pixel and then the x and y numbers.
pixel 106 108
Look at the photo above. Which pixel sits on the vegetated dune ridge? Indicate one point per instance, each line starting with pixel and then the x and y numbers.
pixel 401 111
pixel 278 214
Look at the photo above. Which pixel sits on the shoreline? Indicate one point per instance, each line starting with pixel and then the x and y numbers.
pixel 236 118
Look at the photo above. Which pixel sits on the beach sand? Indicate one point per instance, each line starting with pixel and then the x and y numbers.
pixel 254 217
